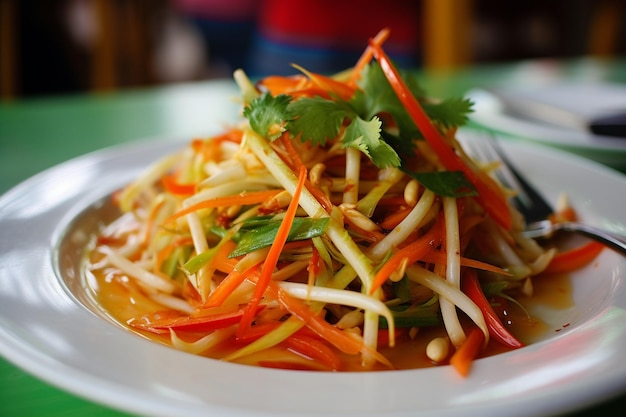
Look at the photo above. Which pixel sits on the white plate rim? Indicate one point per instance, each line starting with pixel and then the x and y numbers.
pixel 92 364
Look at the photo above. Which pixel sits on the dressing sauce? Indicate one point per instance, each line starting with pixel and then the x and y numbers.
pixel 122 300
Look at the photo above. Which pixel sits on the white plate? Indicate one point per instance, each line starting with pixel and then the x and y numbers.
pixel 491 112
pixel 46 330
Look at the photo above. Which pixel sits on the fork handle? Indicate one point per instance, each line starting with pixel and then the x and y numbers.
pixel 612 240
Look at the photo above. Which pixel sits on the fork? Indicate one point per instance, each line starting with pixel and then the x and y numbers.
pixel 535 209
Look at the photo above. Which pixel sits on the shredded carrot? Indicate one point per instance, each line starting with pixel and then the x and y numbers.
pixel 395 218
pixel 296 161
pixel 245 198
pixel 211 148
pixel 283 84
pixel 228 285
pixel 465 355
pixel 367 56
pixel 315 349
pixel 296 164
pixel 342 340
pixel 167 251
pixel 273 254
pixel 437 257
pixel 172 186
pixel 566 214
pixel 321 327
pixel 150 223
pixel 314 266
pixel 221 261
pixel 231 135
pixel 411 252
pixel 311 92
pixel 330 86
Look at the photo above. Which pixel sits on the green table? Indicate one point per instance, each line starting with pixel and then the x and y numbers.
pixel 36 134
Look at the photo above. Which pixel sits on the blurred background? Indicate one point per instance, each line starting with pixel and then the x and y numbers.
pixel 50 47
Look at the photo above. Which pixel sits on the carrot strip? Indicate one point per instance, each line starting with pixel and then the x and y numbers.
pixel 573 259
pixel 276 84
pixel 232 135
pixel 167 251
pixel 314 349
pixel 311 92
pixel 174 187
pixel 329 85
pixel 437 257
pixel 295 162
pixel 245 198
pixel 412 252
pixel 490 196
pixel 150 221
pixel 221 261
pixel 567 214
pixel 367 56
pixel 273 255
pixel 464 356
pixel 229 285
pixel 395 218
pixel 342 340
pixel 291 151
pixel 314 266
pixel 321 327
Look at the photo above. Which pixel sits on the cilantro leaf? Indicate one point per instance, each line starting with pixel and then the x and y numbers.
pixel 379 98
pixel 366 137
pixel 268 115
pixel 444 183
pixel 318 119
pixel 449 112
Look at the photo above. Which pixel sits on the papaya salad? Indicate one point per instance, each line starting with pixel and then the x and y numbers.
pixel 339 222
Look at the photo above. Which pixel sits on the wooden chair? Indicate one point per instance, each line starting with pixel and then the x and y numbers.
pixel 120 56
pixel 8 49
pixel 447 33
pixel 121 53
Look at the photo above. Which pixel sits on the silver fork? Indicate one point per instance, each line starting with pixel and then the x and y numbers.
pixel 535 209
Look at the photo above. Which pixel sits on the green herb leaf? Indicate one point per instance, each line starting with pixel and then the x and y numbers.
pixel 379 98
pixel 449 112
pixel 444 183
pixel 318 119
pixel 366 137
pixel 263 236
pixel 268 115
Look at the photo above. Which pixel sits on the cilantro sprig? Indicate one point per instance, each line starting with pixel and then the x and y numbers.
pixel 318 120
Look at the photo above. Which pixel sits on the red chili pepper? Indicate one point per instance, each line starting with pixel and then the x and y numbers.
pixel 197 324
pixel 471 287
pixel 573 259
pixel 490 197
